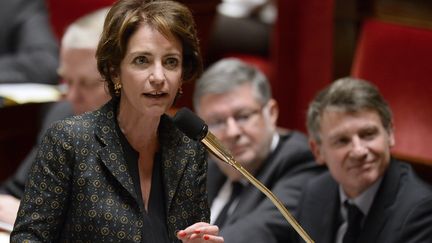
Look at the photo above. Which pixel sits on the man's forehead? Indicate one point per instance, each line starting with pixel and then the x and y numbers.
pixel 361 119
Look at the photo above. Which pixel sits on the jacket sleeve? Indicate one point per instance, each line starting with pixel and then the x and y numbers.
pixel 417 227
pixel 266 224
pixel 44 204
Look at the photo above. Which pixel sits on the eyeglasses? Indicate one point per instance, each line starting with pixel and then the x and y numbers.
pixel 242 118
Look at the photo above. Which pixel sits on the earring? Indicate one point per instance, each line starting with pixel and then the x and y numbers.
pixel 117 88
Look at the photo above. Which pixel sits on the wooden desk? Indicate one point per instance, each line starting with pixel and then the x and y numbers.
pixel 19 126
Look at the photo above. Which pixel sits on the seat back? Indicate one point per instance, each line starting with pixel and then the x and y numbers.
pixel 398 59
pixel 63 13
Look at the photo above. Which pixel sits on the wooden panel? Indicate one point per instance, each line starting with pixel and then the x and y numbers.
pixel 348 18
pixel 412 12
pixel 303 57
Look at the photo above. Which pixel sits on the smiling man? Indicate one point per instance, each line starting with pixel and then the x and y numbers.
pixel 367 196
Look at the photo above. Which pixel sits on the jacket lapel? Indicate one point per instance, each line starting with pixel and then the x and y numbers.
pixel 381 207
pixel 111 152
pixel 326 206
pixel 172 157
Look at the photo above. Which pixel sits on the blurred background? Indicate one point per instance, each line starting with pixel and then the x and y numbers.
pixel 302 45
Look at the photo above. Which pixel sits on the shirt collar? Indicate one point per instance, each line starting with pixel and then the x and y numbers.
pixel 364 200
pixel 274 142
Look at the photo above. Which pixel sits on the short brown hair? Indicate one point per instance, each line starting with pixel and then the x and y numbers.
pixel 170 18
pixel 349 95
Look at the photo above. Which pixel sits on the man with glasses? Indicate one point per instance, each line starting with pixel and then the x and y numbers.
pixel 85 92
pixel 235 100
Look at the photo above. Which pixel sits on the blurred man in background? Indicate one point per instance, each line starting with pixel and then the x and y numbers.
pixel 85 92
pixel 235 100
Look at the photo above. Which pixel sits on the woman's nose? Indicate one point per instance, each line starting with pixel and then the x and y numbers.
pixel 157 77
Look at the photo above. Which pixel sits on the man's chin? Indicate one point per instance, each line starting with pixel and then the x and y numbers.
pixel 242 158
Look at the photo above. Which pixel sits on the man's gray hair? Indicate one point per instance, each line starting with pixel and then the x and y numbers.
pixel 348 95
pixel 85 32
pixel 229 73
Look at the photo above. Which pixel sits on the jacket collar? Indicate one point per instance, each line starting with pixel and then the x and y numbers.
pixel 327 223
pixel 111 153
pixel 173 157
pixel 381 208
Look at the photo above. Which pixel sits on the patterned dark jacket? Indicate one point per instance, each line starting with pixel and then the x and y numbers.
pixel 80 189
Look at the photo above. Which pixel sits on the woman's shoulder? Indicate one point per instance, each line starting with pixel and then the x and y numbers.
pixel 85 122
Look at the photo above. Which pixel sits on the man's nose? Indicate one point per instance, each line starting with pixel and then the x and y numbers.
pixel 232 127
pixel 359 148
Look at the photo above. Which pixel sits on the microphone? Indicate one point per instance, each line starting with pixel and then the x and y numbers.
pixel 195 128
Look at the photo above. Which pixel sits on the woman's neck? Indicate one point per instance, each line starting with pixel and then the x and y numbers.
pixel 141 131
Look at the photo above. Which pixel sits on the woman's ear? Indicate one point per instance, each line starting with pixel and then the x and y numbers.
pixel 114 74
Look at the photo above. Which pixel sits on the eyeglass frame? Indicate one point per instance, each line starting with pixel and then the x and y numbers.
pixel 242 120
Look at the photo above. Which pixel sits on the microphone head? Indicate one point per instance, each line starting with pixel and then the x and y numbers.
pixel 190 124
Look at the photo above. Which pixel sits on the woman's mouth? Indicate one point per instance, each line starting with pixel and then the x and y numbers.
pixel 155 95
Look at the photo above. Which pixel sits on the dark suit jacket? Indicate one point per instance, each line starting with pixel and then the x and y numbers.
pixel 15 184
pixel 284 172
pixel 28 48
pixel 80 188
pixel 400 212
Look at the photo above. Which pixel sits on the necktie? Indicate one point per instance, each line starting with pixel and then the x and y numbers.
pixel 355 217
pixel 236 190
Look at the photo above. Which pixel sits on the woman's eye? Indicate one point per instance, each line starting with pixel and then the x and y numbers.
pixel 140 60
pixel 172 63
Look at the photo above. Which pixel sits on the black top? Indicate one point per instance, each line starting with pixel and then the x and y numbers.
pixel 155 228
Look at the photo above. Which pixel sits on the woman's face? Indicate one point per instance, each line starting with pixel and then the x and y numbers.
pixel 150 72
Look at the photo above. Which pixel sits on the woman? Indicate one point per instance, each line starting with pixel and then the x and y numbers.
pixel 124 172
